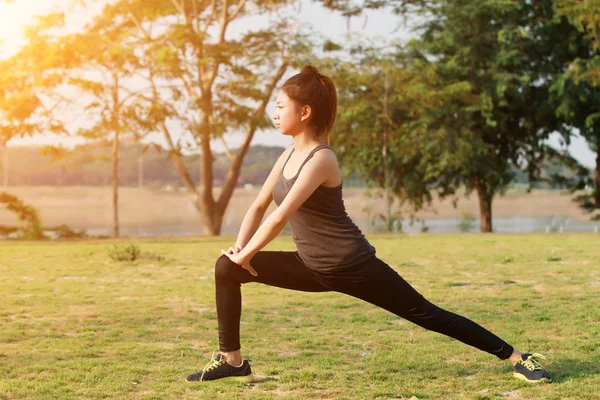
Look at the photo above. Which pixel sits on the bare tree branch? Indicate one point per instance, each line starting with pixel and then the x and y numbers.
pixel 227 151
pixel 222 29
pixel 234 170
pixel 176 157
pixel 237 10
pixel 179 7
pixel 211 17
pixel 138 24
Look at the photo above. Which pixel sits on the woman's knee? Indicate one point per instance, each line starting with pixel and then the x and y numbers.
pixel 224 267
pixel 423 310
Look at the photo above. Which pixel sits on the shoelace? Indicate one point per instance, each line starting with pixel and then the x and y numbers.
pixel 212 364
pixel 532 363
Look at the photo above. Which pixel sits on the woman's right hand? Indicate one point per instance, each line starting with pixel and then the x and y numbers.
pixel 234 250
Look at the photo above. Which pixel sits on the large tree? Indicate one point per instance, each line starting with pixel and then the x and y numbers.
pixel 390 126
pixel 202 82
pixel 175 68
pixel 577 90
pixel 585 16
pixel 495 46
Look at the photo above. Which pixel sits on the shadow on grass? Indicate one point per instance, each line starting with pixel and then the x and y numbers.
pixel 566 369
pixel 263 379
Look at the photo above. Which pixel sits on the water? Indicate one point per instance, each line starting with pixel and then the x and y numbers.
pixel 435 225
pixel 508 225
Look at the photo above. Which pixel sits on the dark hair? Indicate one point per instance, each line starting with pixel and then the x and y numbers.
pixel 316 90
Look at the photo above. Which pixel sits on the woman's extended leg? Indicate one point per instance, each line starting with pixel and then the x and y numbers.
pixel 379 284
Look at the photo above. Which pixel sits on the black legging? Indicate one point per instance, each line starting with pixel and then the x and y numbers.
pixel 373 281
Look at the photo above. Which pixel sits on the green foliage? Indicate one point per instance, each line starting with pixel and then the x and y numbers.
pixel 504 51
pixel 467 222
pixel 66 232
pixel 7 230
pixel 393 103
pixel 27 214
pixel 128 252
pixel 379 221
pixel 577 179
pixel 577 94
pixel 585 16
pixel 131 252
pixel 507 260
pixel 465 105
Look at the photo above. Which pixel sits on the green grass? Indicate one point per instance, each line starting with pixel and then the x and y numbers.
pixel 76 325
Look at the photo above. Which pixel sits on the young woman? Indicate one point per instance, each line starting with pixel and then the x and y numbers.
pixel 332 253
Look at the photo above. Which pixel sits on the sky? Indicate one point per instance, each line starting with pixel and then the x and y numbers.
pixel 15 15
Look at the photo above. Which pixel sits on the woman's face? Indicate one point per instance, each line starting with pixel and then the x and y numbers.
pixel 288 117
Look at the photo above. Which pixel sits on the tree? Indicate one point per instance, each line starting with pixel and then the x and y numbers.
pixel 494 46
pixel 392 107
pixel 585 16
pixel 23 112
pixel 202 82
pixel 25 213
pixel 93 70
pixel 100 74
pixel 578 91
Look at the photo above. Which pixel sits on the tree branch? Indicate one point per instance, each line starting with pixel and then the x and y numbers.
pixel 176 156
pixel 138 24
pixel 234 170
pixel 237 10
pixel 213 14
pixel 179 7
pixel 227 151
pixel 222 29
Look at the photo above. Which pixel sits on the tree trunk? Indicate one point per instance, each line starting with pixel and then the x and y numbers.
pixel 213 224
pixel 206 177
pixel 115 181
pixel 213 211
pixel 4 153
pixel 485 206
pixel 597 179
pixel 386 172
pixel 115 172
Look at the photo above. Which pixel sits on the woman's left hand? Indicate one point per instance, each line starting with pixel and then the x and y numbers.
pixel 240 261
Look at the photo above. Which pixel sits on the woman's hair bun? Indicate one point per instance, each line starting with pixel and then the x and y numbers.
pixel 310 70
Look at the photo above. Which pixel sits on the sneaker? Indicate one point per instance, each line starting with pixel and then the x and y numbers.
pixel 217 368
pixel 530 370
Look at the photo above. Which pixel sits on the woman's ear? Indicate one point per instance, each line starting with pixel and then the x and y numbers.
pixel 306 112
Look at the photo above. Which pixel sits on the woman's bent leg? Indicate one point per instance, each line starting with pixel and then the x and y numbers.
pixel 275 268
pixel 379 284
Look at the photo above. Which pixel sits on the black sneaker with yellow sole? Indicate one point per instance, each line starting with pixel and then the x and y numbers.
pixel 529 369
pixel 218 369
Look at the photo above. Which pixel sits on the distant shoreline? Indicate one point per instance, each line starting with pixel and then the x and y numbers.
pixel 90 208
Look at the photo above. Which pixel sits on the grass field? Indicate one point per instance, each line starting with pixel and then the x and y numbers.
pixel 76 325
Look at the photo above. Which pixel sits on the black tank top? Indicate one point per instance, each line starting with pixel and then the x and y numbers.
pixel 324 234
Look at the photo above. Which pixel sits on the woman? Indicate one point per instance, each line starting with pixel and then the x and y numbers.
pixel 332 253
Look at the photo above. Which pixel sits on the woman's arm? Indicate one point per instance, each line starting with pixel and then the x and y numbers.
pixel 259 207
pixel 249 226
pixel 315 172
